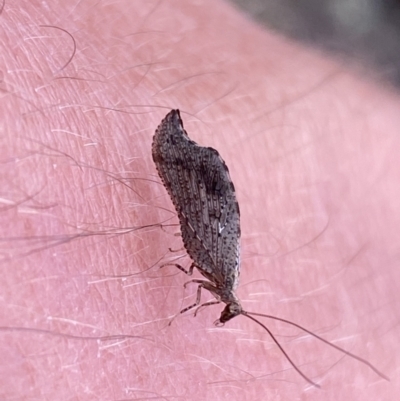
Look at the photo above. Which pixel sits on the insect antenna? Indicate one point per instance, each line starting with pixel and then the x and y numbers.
pixel 365 362
pixel 247 314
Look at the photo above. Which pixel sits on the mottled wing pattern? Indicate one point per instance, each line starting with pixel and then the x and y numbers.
pixel 198 182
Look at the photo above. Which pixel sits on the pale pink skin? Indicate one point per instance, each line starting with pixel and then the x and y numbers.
pixel 313 150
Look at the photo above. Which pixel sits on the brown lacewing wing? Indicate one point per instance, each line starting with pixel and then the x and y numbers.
pixel 198 182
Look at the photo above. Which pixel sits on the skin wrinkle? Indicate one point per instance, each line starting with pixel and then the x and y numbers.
pixel 280 133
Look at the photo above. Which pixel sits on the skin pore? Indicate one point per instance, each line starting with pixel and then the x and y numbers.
pixel 312 149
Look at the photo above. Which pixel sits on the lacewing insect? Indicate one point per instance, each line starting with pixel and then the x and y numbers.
pixel 200 187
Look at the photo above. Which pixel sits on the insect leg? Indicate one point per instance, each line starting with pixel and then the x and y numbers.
pixel 202 284
pixel 206 304
pixel 182 269
pixel 176 250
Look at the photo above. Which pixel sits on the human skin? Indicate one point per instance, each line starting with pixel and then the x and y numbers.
pixel 312 149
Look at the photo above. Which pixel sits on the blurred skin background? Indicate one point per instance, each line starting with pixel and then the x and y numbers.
pixel 365 31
